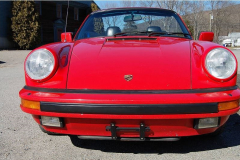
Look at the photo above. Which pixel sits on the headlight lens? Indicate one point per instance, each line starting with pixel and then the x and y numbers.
pixel 220 63
pixel 40 64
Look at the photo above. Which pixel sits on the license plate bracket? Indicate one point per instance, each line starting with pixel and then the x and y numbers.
pixel 114 129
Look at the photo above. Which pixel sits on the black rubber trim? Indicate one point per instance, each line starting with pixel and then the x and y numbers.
pixel 134 8
pixel 92 91
pixel 129 109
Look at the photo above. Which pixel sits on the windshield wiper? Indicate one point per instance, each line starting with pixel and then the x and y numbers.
pixel 132 33
pixel 151 33
pixel 122 34
pixel 185 34
pixel 166 33
pixel 144 32
pixel 157 33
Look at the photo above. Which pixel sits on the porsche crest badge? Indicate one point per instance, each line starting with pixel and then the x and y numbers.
pixel 128 77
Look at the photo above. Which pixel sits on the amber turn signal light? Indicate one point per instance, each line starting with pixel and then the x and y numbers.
pixel 30 104
pixel 228 105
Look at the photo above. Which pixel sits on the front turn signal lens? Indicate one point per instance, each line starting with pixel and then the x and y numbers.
pixel 228 105
pixel 30 104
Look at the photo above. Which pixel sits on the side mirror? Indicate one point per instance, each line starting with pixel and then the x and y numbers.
pixel 67 35
pixel 206 36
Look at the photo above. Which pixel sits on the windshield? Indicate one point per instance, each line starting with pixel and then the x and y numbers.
pixel 150 22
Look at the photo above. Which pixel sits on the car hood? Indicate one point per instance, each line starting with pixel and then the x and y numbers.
pixel 130 64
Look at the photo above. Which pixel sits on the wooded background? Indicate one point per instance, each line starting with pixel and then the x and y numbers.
pixel 220 17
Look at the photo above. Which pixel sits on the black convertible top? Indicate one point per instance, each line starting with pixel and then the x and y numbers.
pixel 133 8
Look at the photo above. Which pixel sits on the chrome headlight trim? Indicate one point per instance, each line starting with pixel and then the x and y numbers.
pixel 40 64
pixel 220 63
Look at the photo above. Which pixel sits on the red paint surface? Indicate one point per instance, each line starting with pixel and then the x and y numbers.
pixel 163 63
pixel 66 37
pixel 206 36
pixel 200 77
pixel 58 78
pixel 169 125
pixel 158 127
pixel 131 98
pixel 130 117
pixel 166 63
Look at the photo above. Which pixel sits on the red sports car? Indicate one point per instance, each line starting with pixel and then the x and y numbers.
pixel 131 74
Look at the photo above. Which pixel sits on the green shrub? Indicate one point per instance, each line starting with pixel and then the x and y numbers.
pixel 94 7
pixel 25 24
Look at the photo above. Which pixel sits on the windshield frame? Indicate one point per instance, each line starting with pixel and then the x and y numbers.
pixel 176 16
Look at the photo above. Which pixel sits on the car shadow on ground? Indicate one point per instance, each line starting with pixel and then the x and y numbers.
pixel 229 138
pixel 1 62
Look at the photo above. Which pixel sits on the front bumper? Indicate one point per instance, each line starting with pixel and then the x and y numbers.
pixel 167 114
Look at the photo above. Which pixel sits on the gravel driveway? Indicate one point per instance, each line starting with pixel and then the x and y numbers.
pixel 20 137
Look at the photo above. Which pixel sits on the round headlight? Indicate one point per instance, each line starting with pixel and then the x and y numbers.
pixel 39 64
pixel 220 63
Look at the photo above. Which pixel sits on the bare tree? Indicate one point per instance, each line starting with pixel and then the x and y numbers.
pixel 226 17
pixel 129 3
pixel 195 15
pixel 221 12
pixel 178 6
pixel 148 3
pixel 114 20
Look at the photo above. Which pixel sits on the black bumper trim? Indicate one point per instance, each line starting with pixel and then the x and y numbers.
pixel 144 109
pixel 92 91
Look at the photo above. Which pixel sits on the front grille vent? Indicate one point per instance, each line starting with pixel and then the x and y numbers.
pixel 135 39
